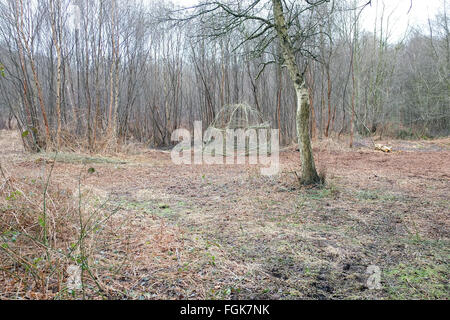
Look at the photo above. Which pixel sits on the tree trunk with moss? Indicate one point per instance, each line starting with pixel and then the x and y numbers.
pixel 309 173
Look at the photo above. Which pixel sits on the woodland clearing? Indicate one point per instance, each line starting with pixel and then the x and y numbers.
pixel 226 232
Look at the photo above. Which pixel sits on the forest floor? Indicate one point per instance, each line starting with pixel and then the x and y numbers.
pixel 226 232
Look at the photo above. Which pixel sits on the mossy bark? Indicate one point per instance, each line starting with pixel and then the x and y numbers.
pixel 309 173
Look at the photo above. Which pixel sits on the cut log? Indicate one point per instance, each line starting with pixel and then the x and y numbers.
pixel 380 147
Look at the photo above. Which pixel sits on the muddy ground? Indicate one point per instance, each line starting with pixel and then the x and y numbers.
pixel 226 232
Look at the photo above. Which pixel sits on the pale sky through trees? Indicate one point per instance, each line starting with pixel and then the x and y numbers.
pixel 402 16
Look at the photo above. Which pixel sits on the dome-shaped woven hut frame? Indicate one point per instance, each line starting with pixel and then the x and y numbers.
pixel 238 116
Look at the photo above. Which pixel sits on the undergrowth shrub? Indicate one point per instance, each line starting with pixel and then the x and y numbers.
pixel 401 132
pixel 47 229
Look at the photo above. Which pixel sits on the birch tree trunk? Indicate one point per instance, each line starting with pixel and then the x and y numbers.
pixel 55 12
pixel 19 4
pixel 309 173
pixel 113 75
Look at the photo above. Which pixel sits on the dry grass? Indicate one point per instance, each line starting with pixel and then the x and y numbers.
pixel 45 227
pixel 209 232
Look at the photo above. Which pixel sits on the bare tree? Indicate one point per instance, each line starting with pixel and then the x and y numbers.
pixel 264 22
pixel 125 71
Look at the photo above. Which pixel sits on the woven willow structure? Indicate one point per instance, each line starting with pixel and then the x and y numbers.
pixel 237 117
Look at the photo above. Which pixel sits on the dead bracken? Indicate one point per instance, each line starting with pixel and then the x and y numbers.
pixel 208 232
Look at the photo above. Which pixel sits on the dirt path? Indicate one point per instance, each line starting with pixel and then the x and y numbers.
pixel 226 232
